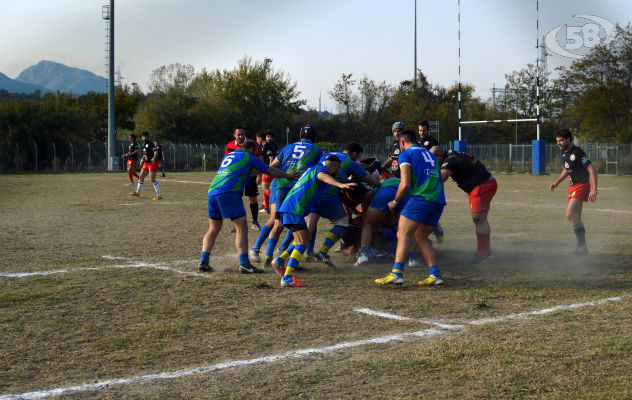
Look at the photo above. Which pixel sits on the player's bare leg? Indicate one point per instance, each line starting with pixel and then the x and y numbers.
pixel 141 181
pixel 208 242
pixel 254 211
pixel 574 216
pixel 241 243
pixel 430 256
pixel 265 234
pixel 152 174
pixel 405 231
pixel 372 219
pixel 483 235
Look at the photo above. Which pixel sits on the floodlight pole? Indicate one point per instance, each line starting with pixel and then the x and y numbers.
pixel 113 161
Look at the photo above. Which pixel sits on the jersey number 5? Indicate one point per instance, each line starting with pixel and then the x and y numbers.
pixel 299 152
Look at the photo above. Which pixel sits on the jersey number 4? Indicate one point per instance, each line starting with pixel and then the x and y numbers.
pixel 428 158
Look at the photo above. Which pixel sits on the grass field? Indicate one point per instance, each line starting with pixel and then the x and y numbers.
pixel 494 331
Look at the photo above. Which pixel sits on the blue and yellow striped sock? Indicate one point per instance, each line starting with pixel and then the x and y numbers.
pixel 272 242
pixel 295 259
pixel 263 235
pixel 332 237
pixel 284 256
pixel 398 268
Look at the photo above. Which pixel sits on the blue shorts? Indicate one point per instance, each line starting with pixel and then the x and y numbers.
pixel 278 195
pixel 330 207
pixel 423 211
pixel 385 195
pixel 226 205
pixel 293 222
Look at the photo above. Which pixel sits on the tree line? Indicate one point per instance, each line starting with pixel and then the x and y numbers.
pixel 593 96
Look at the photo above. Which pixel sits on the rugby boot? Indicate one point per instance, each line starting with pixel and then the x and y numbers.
pixel 324 258
pixel 204 267
pixel 291 281
pixel 249 269
pixel 391 279
pixel 135 194
pixel 431 281
pixel 254 255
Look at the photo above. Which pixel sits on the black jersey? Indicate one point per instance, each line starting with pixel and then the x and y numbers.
pixel 467 171
pixel 576 162
pixel 133 147
pixel 395 151
pixel 158 152
pixel 270 151
pixel 148 150
pixel 428 142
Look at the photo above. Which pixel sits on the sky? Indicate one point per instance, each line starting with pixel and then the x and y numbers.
pixel 314 42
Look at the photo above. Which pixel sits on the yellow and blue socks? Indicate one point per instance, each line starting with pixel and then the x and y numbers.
pixel 332 237
pixel 398 269
pixel 295 259
pixel 204 257
pixel 285 255
pixel 263 235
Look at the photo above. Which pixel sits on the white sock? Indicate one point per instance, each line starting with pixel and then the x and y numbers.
pixel 157 188
pixel 139 187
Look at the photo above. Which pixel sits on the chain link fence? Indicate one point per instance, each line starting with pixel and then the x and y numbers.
pixel 612 159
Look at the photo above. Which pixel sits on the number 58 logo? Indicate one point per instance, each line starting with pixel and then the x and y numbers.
pixel 577 37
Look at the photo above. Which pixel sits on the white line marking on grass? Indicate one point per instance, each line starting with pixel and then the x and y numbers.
pixel 293 354
pixel 195 183
pixel 396 317
pixel 107 257
pixel 160 203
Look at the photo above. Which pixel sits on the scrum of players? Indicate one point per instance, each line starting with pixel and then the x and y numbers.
pixel 378 211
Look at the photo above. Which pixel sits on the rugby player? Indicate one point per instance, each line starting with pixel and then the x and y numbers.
pixel 582 177
pixel 420 178
pixel 251 190
pixel 330 206
pixel 149 167
pixel 299 157
pixel 224 201
pixel 391 164
pixel 132 158
pixel 299 201
pixel 432 145
pixel 480 185
pixel 378 214
pixel 270 151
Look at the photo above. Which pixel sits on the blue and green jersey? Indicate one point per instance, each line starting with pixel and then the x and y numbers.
pixel 297 156
pixel 234 172
pixel 426 174
pixel 347 167
pixel 306 192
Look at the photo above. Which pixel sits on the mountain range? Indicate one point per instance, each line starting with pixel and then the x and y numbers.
pixel 50 76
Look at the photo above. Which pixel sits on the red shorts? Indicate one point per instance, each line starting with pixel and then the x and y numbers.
pixel 267 178
pixel 151 166
pixel 481 196
pixel 579 191
pixel 131 163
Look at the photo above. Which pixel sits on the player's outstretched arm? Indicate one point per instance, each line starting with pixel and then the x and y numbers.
pixel 277 173
pixel 592 177
pixel 404 185
pixel 326 178
pixel 559 180
pixel 371 180
pixel 387 163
